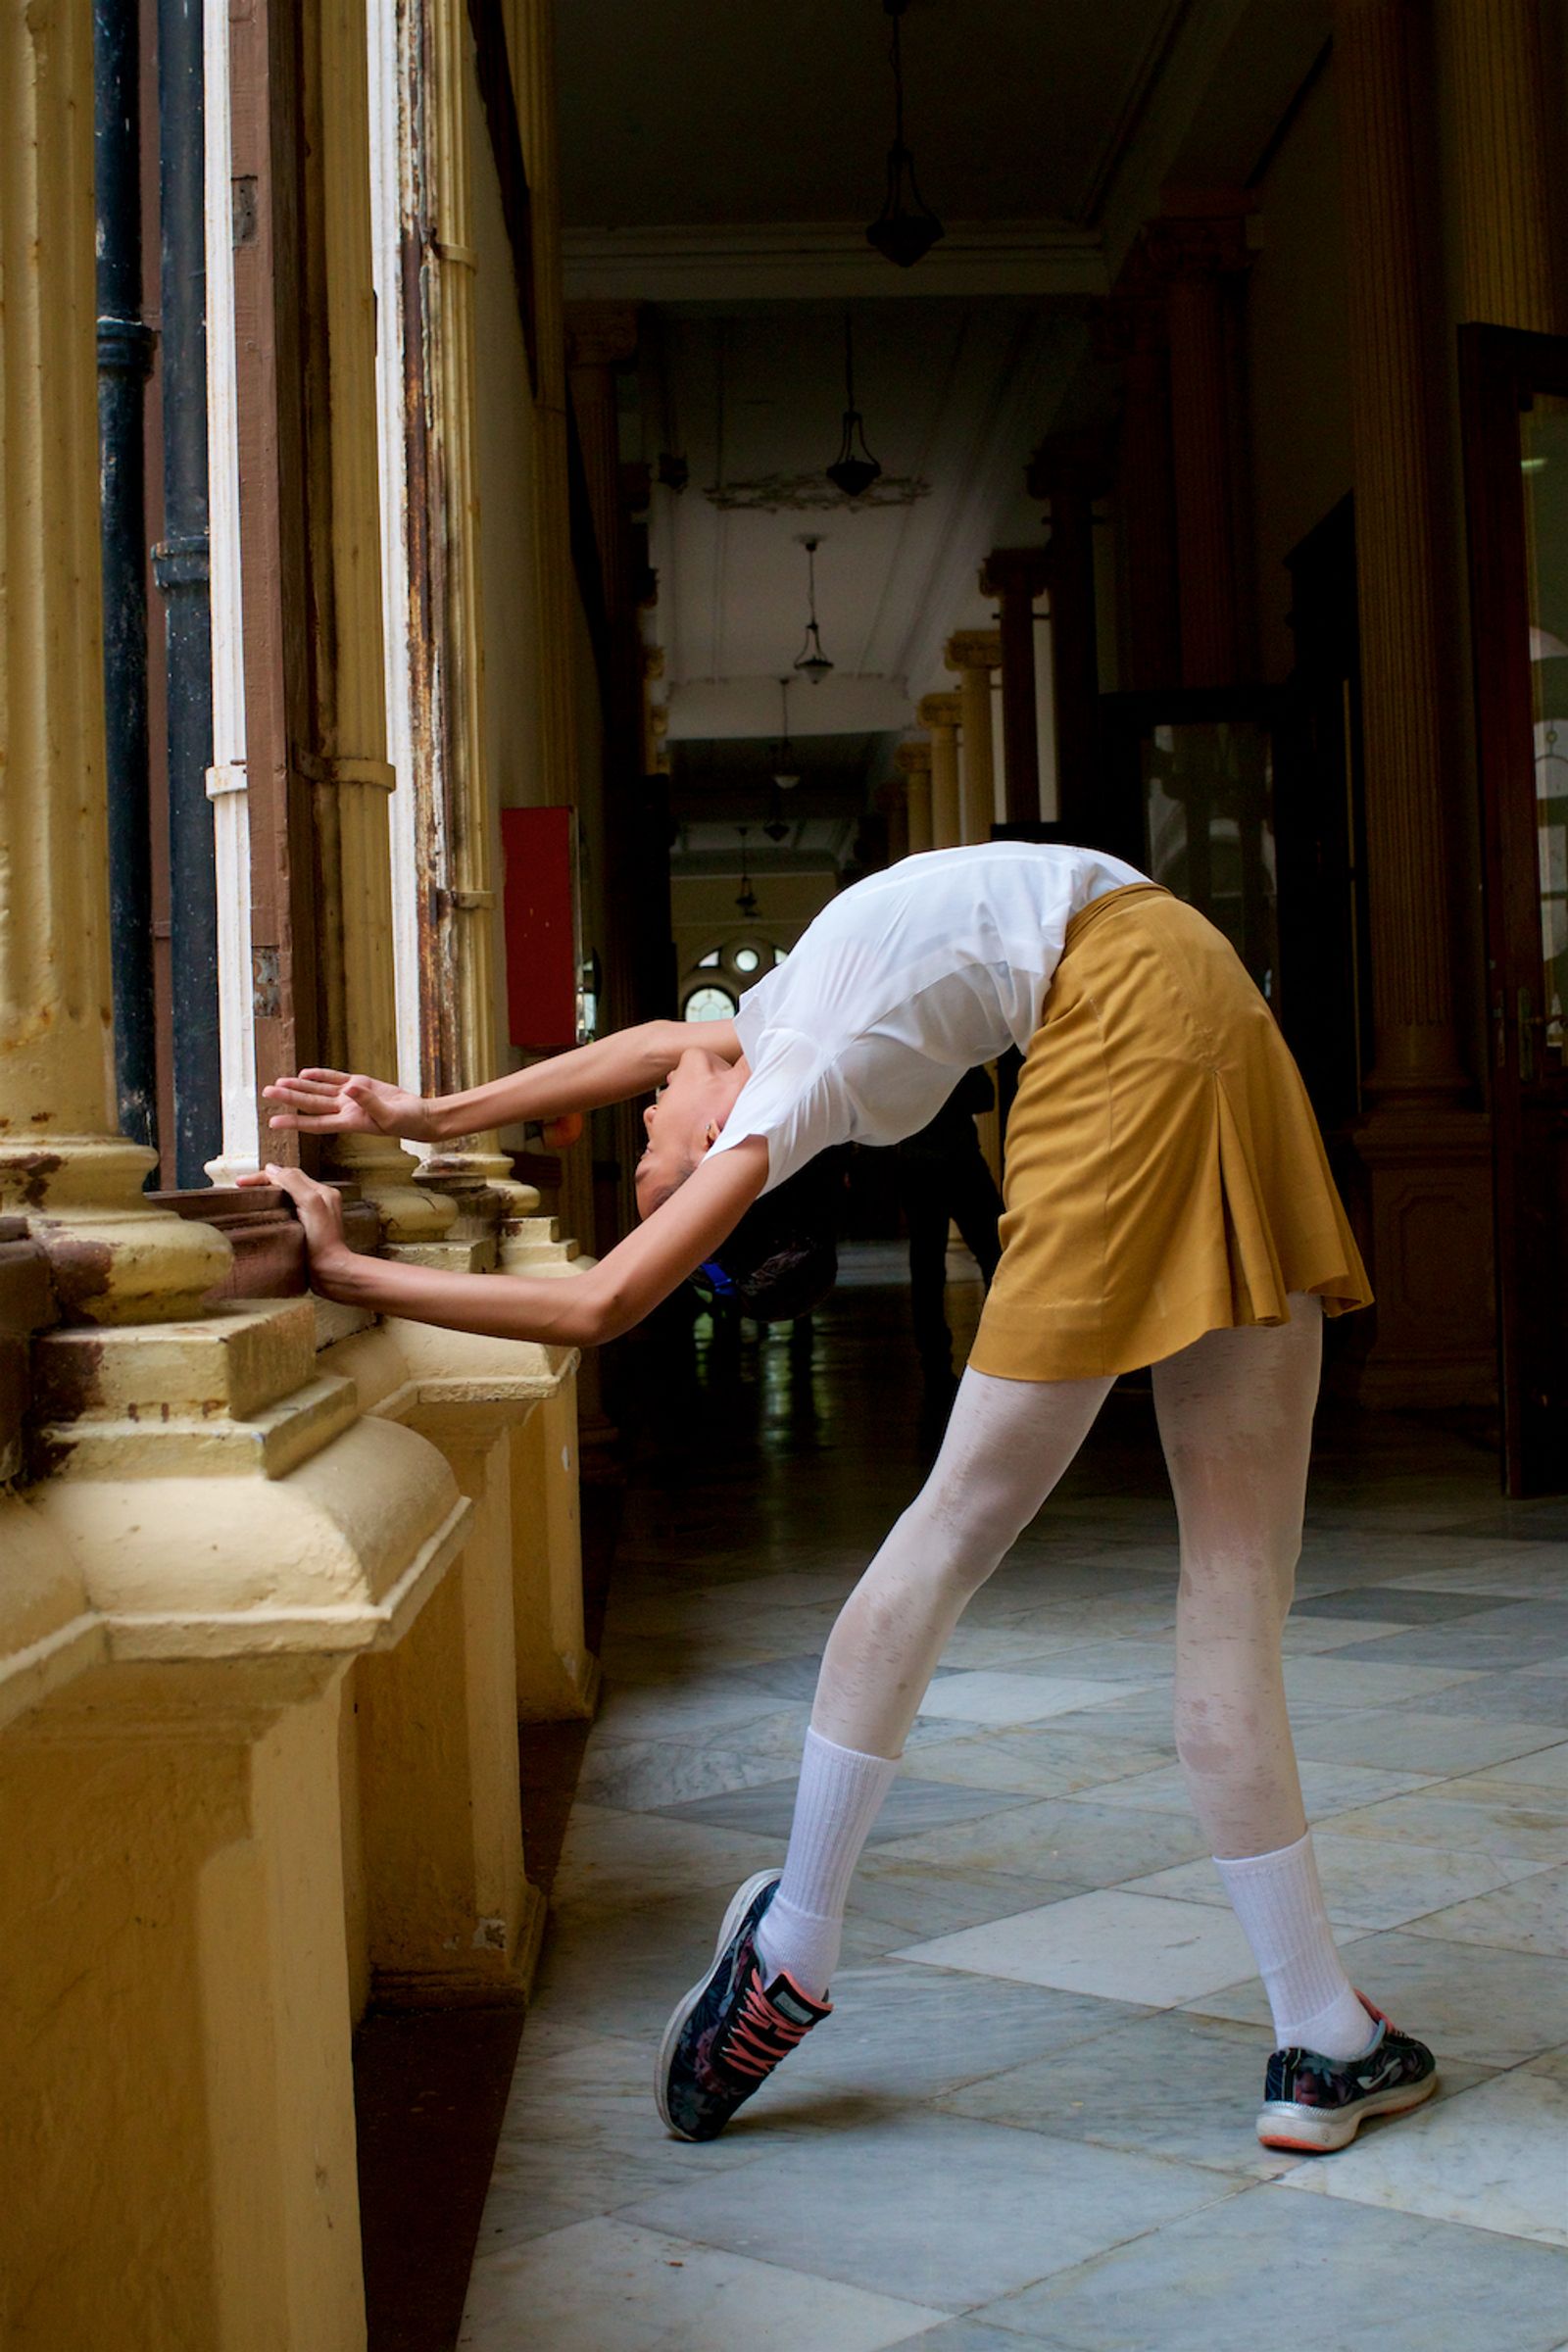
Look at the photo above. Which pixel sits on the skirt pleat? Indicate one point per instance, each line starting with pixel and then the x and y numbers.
pixel 1166 1175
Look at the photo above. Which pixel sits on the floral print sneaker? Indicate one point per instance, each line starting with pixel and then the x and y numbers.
pixel 732 2029
pixel 1312 2104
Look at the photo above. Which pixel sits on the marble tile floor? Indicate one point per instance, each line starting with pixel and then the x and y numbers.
pixel 1029 2122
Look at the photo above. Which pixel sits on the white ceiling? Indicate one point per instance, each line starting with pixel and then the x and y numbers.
pixel 951 393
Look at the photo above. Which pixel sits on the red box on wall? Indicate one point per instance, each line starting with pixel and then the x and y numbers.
pixel 540 909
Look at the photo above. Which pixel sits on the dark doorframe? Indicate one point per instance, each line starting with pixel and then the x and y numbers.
pixel 1514 402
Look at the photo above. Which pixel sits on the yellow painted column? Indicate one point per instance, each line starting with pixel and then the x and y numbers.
pixel 914 762
pixel 974 653
pixel 1492 53
pixel 557 1675
pixel 63 1165
pixel 938 713
pixel 354 778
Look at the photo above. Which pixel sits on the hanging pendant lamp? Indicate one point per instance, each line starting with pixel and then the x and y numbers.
pixel 811 660
pixel 906 228
pixel 852 474
pixel 746 900
pixel 785 776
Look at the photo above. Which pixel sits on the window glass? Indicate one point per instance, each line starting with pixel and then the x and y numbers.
pixel 709 1004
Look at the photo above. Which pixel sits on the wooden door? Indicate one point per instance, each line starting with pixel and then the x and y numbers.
pixel 1515 392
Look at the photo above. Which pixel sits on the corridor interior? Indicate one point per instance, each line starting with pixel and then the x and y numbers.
pixel 1030 2120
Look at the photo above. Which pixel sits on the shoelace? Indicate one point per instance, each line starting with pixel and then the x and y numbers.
pixel 759 2037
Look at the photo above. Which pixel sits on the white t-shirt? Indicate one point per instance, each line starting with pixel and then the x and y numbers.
pixel 902 983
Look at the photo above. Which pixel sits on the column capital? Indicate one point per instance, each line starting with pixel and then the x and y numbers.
pixel 600 334
pixel 938 710
pixel 912 758
pixel 1015 571
pixel 973 649
pixel 1067 465
pixel 1193 248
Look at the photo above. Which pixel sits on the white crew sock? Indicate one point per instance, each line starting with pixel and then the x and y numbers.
pixel 1280 1904
pixel 839 1798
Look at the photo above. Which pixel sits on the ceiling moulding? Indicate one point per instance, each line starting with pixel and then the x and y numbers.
pixel 826 260
pixel 749 708
pixel 812 493
pixel 1131 182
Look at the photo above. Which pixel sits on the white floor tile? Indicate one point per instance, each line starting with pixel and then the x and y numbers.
pixel 603 2286
pixel 1124 1948
pixel 1494 2158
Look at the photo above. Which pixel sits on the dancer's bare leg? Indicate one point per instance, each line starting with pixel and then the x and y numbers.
pixel 1235 1414
pixel 1007 1443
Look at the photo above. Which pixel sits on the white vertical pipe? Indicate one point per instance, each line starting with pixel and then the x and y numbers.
pixel 387 34
pixel 227 778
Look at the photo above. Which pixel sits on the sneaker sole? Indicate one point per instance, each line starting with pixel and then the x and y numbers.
pixel 742 1901
pixel 1316 2131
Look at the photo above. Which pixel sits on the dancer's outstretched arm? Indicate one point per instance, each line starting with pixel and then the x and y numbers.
pixel 576 1312
pixel 613 1070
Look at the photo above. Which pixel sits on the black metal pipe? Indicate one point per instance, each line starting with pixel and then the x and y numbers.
pixel 124 355
pixel 180 569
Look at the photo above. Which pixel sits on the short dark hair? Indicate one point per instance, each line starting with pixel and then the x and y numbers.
pixel 782 1259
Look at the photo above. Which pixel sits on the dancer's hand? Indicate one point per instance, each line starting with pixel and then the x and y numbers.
pixel 347 1103
pixel 319 1209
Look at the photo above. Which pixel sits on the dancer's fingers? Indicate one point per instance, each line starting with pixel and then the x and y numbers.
pixel 299 1090
pixel 328 1077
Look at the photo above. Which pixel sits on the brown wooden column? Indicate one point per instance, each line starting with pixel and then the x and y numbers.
pixel 1425 1150
pixel 1069 469
pixel 1015 576
pixel 1134 330
pixel 1404 649
pixel 1202 261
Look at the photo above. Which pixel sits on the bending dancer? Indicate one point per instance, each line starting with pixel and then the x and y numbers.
pixel 1168 1203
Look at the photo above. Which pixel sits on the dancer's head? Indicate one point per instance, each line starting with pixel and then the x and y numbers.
pixel 686 1119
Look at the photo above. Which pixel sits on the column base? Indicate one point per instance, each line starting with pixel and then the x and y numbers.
pixel 1427 1175
pixel 113 1257
pixel 506 1984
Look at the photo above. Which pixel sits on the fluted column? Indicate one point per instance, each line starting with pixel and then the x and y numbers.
pixel 893 801
pixel 974 653
pixel 62 1164
pixel 1202 262
pixel 600 340
pixel 1406 716
pixel 1492 52
pixel 914 762
pixel 938 713
pixel 1015 576
pixel 353 777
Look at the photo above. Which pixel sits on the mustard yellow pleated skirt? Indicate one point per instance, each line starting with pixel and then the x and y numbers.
pixel 1164 1172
